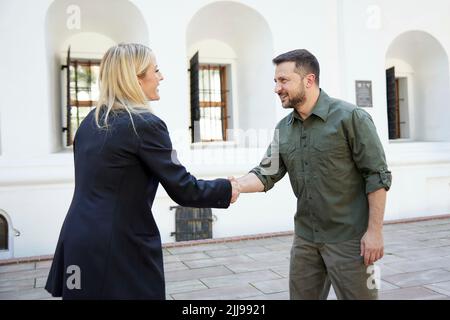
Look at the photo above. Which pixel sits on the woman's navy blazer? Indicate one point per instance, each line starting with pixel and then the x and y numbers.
pixel 109 246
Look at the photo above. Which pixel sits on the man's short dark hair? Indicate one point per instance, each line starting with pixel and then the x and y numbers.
pixel 305 62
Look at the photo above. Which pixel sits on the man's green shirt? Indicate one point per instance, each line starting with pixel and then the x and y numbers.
pixel 334 158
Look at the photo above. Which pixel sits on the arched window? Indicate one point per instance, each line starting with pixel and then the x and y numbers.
pixel 217 89
pixel 75 23
pixel 3 233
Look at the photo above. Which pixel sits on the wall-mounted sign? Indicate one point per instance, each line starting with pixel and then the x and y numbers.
pixel 363 91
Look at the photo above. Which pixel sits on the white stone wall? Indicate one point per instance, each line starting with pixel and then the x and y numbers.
pixel 350 38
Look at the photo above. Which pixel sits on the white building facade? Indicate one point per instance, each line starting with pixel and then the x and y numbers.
pixel 354 40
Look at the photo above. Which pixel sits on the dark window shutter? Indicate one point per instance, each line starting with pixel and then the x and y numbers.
pixel 195 98
pixel 67 128
pixel 391 90
pixel 68 107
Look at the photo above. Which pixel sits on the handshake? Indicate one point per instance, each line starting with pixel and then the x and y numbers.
pixel 236 189
pixel 246 184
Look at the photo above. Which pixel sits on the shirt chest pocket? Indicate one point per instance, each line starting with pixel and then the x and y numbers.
pixel 329 151
pixel 331 143
pixel 288 154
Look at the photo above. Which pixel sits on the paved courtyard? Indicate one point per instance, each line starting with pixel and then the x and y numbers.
pixel 416 265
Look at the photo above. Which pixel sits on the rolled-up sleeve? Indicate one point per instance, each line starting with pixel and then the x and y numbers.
pixel 367 152
pixel 271 168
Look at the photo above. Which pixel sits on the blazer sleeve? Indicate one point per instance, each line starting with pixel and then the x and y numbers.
pixel 155 151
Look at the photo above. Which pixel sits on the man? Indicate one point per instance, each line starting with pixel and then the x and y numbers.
pixel 338 172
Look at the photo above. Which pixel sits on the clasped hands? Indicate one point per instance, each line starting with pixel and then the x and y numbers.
pixel 236 189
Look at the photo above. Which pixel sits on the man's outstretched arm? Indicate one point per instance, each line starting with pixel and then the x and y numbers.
pixel 266 174
pixel 250 183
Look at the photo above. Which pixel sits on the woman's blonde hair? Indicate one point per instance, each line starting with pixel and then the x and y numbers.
pixel 119 88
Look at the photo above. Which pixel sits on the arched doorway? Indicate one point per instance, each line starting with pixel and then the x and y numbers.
pixel 418 88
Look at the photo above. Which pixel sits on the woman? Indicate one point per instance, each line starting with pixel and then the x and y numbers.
pixel 109 246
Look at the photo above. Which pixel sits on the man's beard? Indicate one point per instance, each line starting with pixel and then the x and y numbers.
pixel 297 101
